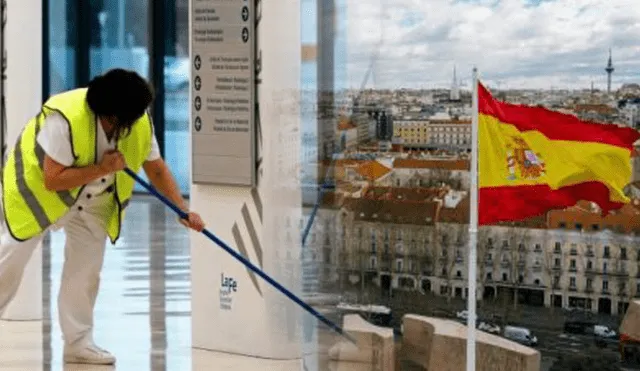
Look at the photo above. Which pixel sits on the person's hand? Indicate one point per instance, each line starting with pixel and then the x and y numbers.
pixel 194 222
pixel 112 161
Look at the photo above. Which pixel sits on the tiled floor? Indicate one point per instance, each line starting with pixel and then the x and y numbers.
pixel 143 309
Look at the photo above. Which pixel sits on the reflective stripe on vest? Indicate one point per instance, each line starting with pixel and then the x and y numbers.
pixel 29 207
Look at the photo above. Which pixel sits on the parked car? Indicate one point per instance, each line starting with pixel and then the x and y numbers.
pixel 603 331
pixel 489 327
pixel 520 335
pixel 463 314
pixel 578 326
pixel 604 336
pixel 376 314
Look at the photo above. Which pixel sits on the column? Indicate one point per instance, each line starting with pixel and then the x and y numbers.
pixel 24 100
pixel 248 316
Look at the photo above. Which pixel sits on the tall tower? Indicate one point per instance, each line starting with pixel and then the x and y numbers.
pixel 609 70
pixel 454 95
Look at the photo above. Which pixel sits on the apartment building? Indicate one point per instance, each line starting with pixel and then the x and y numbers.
pixel 416 239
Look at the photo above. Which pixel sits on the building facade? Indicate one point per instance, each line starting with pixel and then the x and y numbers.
pixel 374 240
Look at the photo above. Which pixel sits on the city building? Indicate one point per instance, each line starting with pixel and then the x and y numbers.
pixel 571 258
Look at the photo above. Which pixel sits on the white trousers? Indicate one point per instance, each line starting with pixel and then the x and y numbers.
pixel 83 258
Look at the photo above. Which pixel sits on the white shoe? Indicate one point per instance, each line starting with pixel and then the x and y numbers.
pixel 89 354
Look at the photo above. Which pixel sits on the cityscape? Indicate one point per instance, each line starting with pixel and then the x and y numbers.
pixel 392 229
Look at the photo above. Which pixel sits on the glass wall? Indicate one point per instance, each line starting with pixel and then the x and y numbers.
pixel 176 99
pixel 62 45
pixel 119 36
pixel 87 38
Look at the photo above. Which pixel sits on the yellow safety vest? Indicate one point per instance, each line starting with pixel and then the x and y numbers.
pixel 30 208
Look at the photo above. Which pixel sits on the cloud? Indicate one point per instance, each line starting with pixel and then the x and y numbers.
pixel 519 43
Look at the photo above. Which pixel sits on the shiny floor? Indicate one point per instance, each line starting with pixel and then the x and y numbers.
pixel 143 309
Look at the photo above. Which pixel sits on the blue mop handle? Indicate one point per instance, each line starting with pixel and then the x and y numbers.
pixel 242 259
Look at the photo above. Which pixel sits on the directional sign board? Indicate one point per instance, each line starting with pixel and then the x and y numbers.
pixel 222 90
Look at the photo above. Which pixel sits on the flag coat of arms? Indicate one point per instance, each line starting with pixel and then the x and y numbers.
pixel 532 160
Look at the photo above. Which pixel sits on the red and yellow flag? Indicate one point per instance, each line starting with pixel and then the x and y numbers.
pixel 532 160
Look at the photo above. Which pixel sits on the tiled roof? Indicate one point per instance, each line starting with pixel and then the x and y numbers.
pixel 600 108
pixel 345 123
pixel 405 194
pixel 452 122
pixel 402 163
pixel 384 211
pixel 372 170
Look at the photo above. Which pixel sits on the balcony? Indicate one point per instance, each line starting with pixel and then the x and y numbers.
pixel 522 263
pixel 556 286
pixel 505 264
pixel 605 292
pixel 537 268
pixel 573 289
pixel 588 290
pixel 590 254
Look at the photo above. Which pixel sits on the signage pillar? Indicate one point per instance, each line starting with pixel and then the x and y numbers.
pixel 23 98
pixel 245 131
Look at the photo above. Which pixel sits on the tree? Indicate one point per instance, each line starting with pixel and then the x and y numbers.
pixel 553 267
pixel 622 265
pixel 451 239
pixel 516 258
pixel 588 262
pixel 486 260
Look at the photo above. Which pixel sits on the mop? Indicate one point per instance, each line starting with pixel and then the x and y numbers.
pixel 243 260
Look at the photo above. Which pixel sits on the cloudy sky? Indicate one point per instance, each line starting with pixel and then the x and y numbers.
pixel 514 43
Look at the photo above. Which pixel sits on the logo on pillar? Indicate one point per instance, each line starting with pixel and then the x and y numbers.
pixel 228 287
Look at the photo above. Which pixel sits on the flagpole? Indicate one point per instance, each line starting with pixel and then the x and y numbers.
pixel 473 231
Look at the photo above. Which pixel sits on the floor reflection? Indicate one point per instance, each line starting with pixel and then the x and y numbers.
pixel 143 310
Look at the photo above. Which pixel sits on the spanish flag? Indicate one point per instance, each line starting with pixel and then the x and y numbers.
pixel 532 160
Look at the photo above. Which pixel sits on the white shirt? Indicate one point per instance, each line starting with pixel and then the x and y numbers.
pixel 94 203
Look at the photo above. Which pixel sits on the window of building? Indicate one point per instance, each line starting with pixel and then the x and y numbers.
pixel 459 274
pixel 399 265
pixel 606 252
pixel 558 248
pixel 505 277
pixel 589 283
pixel 489 276
pixel 444 290
pixel 572 282
pixel 579 226
pixel 373 262
pixel 557 262
pixel 572 264
pixel 562 225
pixel 605 285
pixel 623 253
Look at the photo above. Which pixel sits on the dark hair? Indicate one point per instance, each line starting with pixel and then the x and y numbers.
pixel 121 94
